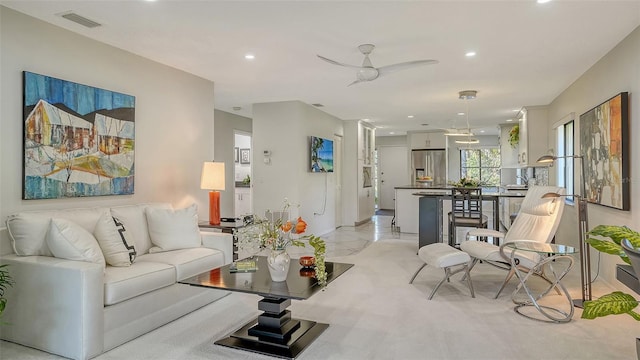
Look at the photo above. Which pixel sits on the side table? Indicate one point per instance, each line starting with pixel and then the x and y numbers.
pixel 226 227
pixel 551 257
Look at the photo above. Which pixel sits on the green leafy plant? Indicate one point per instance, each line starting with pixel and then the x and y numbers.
pixel 514 135
pixel 617 302
pixel 5 281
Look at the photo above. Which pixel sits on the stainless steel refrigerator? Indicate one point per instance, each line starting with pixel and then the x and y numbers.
pixel 429 167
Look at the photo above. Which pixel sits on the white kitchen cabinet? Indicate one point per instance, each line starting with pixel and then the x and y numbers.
pixel 358 200
pixel 243 201
pixel 427 140
pixel 533 135
pixel 508 153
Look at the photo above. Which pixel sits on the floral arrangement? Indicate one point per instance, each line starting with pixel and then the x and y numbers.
pixel 514 135
pixel 466 182
pixel 277 234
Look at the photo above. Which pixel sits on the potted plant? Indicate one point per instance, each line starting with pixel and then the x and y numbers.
pixel 5 281
pixel 616 302
pixel 514 135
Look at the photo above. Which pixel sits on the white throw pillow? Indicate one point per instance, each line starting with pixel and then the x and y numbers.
pixel 173 229
pixel 68 240
pixel 111 236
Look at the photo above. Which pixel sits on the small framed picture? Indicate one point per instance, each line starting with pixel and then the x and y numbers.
pixel 237 152
pixel 244 156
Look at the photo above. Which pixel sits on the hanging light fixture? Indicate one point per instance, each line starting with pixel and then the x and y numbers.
pixel 467 95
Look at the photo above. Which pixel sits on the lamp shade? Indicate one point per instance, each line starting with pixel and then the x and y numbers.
pixel 212 176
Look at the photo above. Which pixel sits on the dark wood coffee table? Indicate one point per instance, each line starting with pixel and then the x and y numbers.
pixel 274 332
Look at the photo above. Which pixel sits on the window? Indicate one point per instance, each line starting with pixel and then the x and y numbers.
pixel 564 144
pixel 482 164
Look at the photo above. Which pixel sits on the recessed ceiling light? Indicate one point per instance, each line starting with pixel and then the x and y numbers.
pixel 509 120
pixel 249 56
pixel 365 119
pixel 391 133
pixel 481 131
pixel 542 1
pixel 410 116
pixel 516 110
pixel 424 124
pixel 470 54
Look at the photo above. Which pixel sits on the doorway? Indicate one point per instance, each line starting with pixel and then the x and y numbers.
pixel 392 172
pixel 242 174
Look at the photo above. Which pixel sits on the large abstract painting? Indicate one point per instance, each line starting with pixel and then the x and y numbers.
pixel 604 144
pixel 78 140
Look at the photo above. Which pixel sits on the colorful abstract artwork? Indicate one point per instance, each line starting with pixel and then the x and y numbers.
pixel 604 145
pixel 78 140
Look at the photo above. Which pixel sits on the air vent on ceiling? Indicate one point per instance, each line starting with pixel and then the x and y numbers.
pixel 71 16
pixel 317 105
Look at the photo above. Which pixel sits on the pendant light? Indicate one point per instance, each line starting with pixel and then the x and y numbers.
pixel 467 95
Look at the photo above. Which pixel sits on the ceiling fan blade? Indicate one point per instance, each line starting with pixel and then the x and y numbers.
pixel 338 63
pixel 356 82
pixel 384 70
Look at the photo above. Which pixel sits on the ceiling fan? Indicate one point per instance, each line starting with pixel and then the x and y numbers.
pixel 367 72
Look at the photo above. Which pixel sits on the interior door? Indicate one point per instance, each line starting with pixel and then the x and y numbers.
pixel 393 171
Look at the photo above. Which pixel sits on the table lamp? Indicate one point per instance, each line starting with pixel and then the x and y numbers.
pixel 583 229
pixel 213 179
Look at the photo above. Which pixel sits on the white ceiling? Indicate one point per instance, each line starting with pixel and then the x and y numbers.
pixel 527 53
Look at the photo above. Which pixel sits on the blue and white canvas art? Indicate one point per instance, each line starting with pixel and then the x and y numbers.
pixel 79 140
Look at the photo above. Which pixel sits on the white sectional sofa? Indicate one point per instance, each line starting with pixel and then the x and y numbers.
pixel 82 308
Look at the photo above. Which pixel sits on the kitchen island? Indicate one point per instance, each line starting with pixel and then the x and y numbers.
pixel 411 213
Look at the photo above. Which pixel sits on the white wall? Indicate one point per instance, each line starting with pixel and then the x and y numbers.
pixel 284 129
pixel 174 113
pixel 616 72
pixel 399 140
pixel 225 126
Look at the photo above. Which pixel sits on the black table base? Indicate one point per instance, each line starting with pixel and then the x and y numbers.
pixel 275 332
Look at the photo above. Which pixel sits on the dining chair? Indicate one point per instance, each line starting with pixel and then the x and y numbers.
pixel 466 211
pixel 538 220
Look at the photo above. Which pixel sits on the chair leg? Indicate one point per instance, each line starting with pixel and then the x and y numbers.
pixel 446 277
pixel 468 276
pixel 512 272
pixel 474 261
pixel 416 274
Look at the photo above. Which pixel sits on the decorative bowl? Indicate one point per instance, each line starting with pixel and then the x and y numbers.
pixel 307 261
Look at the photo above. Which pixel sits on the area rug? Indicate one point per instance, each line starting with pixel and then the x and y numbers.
pixel 374 313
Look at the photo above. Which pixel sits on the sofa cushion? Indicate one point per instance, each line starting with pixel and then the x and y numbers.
pixel 122 283
pixel 188 262
pixel 173 229
pixel 135 221
pixel 27 230
pixel 116 248
pixel 67 240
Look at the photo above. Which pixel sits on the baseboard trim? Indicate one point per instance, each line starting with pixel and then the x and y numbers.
pixel 358 223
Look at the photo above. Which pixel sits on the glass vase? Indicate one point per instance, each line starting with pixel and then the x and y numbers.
pixel 278 262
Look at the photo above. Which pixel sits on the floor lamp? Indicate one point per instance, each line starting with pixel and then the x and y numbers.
pixel 583 229
pixel 213 179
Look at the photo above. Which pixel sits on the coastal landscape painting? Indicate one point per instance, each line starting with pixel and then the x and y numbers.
pixel 604 145
pixel 79 140
pixel 321 154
